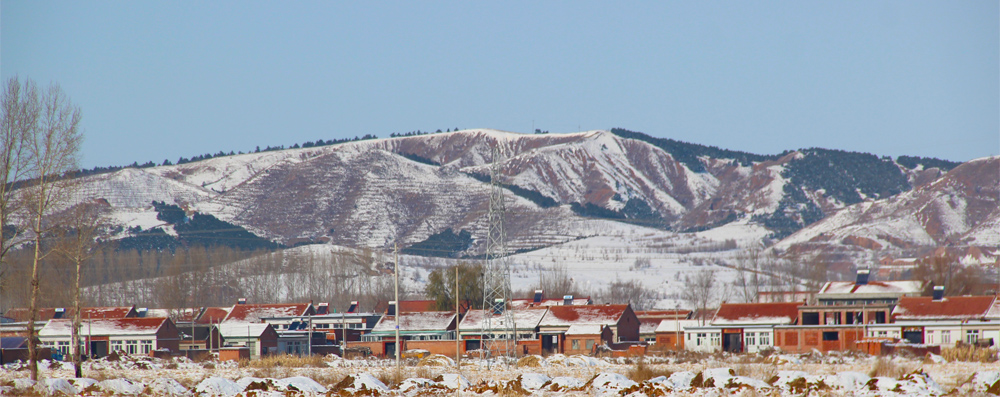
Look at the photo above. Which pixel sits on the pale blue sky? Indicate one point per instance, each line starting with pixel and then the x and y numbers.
pixel 160 80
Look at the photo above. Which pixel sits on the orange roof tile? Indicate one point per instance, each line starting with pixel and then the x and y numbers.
pixel 951 307
pixel 757 313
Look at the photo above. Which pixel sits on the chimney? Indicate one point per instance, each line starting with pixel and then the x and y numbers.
pixel 353 308
pixel 323 308
pixel 862 277
pixel 568 300
pixel 241 301
pixel 142 311
pixel 498 306
pixel 60 312
pixel 392 309
pixel 938 292
pixel 539 295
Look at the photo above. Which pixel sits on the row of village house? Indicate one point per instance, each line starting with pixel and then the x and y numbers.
pixel 841 315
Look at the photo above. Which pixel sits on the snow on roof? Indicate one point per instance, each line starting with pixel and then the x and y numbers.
pixel 184 314
pixel 757 313
pixel 950 307
pixel 45 314
pixel 420 321
pixel 526 303
pixel 648 325
pixel 242 330
pixel 214 315
pixel 523 319
pixel 255 312
pixel 671 325
pixel 872 287
pixel 105 326
pixel 662 314
pixel 585 329
pixel 591 314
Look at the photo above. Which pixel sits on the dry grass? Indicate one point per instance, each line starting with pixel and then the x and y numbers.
pixel 970 354
pixel 425 372
pixel 327 378
pixel 884 367
pixel 642 372
pixel 284 360
pixel 756 371
pixel 391 377
pixel 529 362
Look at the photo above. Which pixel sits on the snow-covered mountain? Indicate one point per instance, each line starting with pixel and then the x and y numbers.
pixel 960 209
pixel 563 187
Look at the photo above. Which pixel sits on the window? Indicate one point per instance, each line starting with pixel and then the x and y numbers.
pixel 590 344
pixel 716 339
pixel 945 337
pixel 751 338
pixel 972 336
pixel 831 335
pixel 879 317
pixel 701 338
pixel 147 346
pixel 765 339
pixel 930 337
pixel 576 343
pixel 810 318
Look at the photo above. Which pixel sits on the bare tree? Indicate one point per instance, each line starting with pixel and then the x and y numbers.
pixel 700 289
pixel 556 282
pixel 631 292
pixel 82 225
pixel 52 143
pixel 21 110
pixel 751 273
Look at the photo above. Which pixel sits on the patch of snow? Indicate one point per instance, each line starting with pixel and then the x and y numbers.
pixel 216 386
pixel 533 381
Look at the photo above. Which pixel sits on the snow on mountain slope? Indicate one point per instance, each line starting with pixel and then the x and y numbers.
pixel 136 188
pixel 958 208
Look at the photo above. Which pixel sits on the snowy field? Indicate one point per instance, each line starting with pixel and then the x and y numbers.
pixel 680 375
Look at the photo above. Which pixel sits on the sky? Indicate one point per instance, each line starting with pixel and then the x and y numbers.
pixel 163 80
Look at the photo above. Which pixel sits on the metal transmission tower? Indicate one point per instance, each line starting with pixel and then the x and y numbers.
pixel 499 332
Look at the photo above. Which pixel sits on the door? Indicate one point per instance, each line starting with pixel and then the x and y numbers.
pixel 915 337
pixel 472 344
pixel 732 343
pixel 98 348
pixel 390 349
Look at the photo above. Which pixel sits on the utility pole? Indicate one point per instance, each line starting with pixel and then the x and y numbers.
pixel 395 274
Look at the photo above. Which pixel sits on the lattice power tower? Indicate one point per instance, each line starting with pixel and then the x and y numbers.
pixel 499 332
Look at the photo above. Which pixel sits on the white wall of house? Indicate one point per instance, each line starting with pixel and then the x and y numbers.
pixel 755 340
pixel 702 339
pixel 129 344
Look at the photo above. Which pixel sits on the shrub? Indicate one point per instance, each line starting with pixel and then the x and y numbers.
pixel 970 353
pixel 643 372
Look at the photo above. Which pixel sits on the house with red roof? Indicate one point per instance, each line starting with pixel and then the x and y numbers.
pixel 101 336
pixel 413 326
pixel 555 324
pixel 944 321
pixel 742 327
pixel 525 324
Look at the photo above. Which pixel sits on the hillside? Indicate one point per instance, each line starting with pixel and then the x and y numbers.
pixel 428 194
